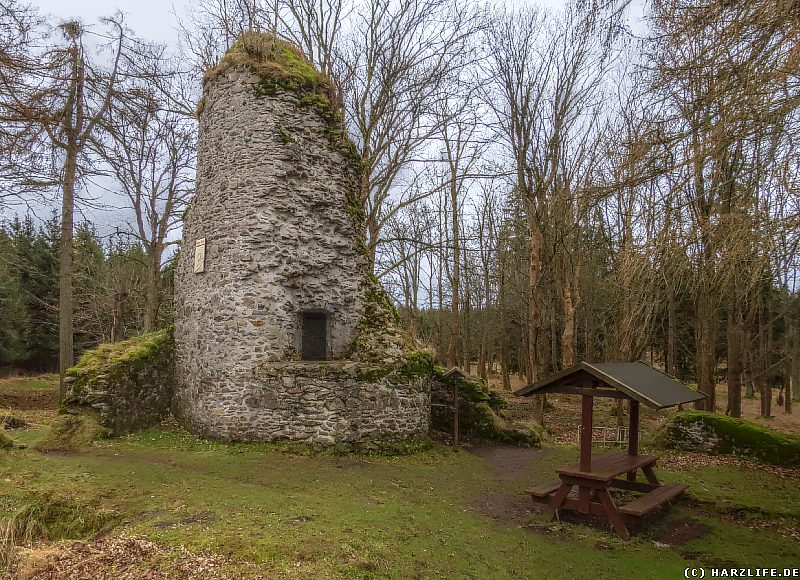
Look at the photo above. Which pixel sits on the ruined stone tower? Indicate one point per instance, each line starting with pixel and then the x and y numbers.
pixel 281 331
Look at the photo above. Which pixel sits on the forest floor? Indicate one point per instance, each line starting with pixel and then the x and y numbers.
pixel 162 504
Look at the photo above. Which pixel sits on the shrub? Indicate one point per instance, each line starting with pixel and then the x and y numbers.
pixel 480 412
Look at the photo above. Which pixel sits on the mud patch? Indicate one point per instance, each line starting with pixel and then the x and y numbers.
pixel 510 463
pixel 503 508
pixel 680 531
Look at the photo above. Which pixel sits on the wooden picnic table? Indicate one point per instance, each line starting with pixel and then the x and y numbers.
pixel 593 484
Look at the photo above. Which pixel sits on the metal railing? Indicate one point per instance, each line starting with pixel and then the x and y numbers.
pixel 608 435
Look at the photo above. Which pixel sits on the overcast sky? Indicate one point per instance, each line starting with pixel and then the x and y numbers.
pixel 150 19
pixel 154 20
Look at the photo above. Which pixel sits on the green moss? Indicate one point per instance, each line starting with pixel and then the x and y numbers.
pixel 419 363
pixel 72 432
pixel 6 442
pixel 380 306
pixel 279 65
pixel 392 447
pixel 379 334
pixel 286 137
pixel 480 413
pixel 473 389
pixel 715 433
pixel 125 352
pixel 374 373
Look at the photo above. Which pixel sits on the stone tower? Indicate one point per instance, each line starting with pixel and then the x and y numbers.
pixel 281 330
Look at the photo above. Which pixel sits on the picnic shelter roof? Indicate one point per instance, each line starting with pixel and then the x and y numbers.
pixel 637 381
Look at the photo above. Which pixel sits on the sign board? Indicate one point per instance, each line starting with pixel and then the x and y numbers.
pixel 200 256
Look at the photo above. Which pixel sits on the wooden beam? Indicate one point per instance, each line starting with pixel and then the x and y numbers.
pixel 586 432
pixel 571 390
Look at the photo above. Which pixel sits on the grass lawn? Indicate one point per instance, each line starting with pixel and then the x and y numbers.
pixel 270 511
pixel 414 516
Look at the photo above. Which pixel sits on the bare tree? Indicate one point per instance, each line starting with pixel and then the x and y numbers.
pixel 61 108
pixel 151 156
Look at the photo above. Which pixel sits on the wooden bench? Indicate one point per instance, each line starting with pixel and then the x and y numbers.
pixel 650 501
pixel 543 491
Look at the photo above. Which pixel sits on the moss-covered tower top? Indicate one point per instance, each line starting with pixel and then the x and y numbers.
pixel 279 64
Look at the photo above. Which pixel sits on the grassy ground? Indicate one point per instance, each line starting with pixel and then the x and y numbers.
pixel 269 511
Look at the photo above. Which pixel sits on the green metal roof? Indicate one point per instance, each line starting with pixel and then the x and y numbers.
pixel 636 380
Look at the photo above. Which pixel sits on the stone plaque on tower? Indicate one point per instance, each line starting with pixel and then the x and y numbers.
pixel 200 255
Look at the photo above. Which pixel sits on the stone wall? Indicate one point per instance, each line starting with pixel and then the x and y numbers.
pixel 129 384
pixel 319 403
pixel 277 205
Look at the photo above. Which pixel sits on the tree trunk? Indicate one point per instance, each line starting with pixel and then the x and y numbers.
pixel 734 362
pixel 534 316
pixel 671 354
pixel 794 381
pixel 589 333
pixel 706 349
pixel 568 335
pixel 505 346
pixel 764 370
pixel 505 365
pixel 153 292
pixel 455 322
pixel 483 372
pixel 66 353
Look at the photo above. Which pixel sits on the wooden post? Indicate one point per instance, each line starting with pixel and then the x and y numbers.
pixel 586 432
pixel 633 433
pixel 633 427
pixel 455 415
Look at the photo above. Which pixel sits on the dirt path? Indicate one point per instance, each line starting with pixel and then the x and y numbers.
pixel 512 468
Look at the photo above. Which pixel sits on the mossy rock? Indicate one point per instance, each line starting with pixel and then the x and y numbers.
pixel 473 389
pixel 488 424
pixel 11 421
pixel 127 352
pixel 419 363
pixel 130 383
pixel 72 432
pixel 719 434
